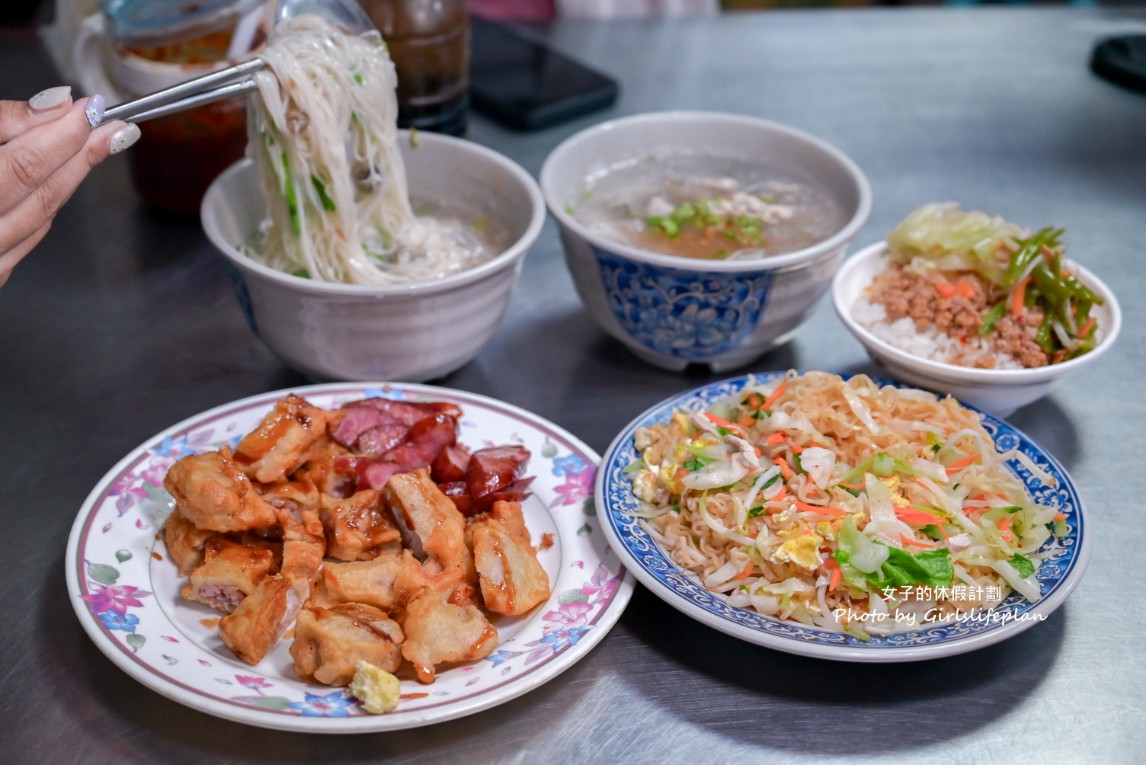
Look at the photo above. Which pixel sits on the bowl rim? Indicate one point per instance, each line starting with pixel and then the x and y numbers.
pixel 772 262
pixel 427 141
pixel 941 370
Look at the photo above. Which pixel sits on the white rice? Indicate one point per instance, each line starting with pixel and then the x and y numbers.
pixel 927 344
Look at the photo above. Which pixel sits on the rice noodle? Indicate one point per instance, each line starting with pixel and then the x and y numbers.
pixel 323 134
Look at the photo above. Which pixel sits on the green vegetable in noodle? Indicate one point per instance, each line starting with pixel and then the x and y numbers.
pixel 320 189
pixel 1022 564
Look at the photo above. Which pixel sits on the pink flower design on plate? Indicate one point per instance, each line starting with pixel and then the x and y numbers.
pixel 600 586
pixel 576 488
pixel 155 472
pixel 115 598
pixel 254 683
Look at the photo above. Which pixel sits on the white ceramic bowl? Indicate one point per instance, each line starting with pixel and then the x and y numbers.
pixel 998 391
pixel 673 311
pixel 412 332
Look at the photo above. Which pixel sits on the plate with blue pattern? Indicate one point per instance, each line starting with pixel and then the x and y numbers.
pixel 1065 559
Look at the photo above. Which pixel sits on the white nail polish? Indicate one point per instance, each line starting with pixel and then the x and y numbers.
pixel 123 138
pixel 50 98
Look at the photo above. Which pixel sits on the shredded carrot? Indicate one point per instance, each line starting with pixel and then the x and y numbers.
pixel 717 420
pixel 797 449
pixel 744 572
pixel 918 517
pixel 1087 326
pixel 855 486
pixel 775 396
pixel 945 289
pixel 1018 296
pixel 806 508
pixel 914 542
pixel 959 464
pixel 837 574
pixel 755 400
pixel 1059 517
pixel 745 421
pixel 964 288
pixel 780 494
pixel 775 438
pixel 1004 523
pixel 785 470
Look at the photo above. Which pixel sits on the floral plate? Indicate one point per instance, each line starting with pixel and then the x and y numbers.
pixel 126 591
pixel 1059 573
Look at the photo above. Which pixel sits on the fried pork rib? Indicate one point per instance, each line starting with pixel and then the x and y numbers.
pixel 439 632
pixel 215 495
pixel 346 525
pixel 229 573
pixel 373 582
pixel 512 580
pixel 253 628
pixel 358 527
pixel 434 528
pixel 282 440
pixel 185 542
pixel 329 642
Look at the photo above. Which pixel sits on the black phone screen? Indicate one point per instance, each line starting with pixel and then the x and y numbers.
pixel 525 84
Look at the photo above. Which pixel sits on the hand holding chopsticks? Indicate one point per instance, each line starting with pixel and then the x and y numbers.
pixel 225 83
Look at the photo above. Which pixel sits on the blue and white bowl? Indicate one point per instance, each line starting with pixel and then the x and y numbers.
pixel 673 311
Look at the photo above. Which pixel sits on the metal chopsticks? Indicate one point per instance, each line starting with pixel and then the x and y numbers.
pixel 233 81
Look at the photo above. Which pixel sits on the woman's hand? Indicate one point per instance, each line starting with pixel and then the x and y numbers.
pixel 48 145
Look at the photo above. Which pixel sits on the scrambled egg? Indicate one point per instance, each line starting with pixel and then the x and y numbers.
pixel 377 689
pixel 802 550
pixel 892 484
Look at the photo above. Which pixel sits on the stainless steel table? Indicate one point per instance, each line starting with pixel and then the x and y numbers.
pixel 122 324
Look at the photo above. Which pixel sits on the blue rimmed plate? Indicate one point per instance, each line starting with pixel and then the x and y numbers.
pixel 1059 573
pixel 125 590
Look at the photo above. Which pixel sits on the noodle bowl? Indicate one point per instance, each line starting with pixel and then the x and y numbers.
pixel 323 134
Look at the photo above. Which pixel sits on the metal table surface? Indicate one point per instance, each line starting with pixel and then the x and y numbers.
pixel 122 323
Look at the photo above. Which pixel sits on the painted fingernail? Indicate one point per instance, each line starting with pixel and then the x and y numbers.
pixel 123 138
pixel 94 110
pixel 51 98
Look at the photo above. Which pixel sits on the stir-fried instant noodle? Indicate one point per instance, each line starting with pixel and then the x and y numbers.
pixel 843 504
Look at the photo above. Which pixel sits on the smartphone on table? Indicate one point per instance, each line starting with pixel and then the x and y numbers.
pixel 523 83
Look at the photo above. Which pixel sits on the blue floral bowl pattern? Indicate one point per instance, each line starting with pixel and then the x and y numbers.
pixel 683 314
pixel 1059 574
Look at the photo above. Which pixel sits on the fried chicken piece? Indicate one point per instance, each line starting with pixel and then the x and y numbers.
pixel 214 495
pixel 329 642
pixel 358 527
pixel 185 542
pixel 283 439
pixel 512 579
pixel 438 632
pixel 434 528
pixel 252 630
pixel 371 582
pixel 229 573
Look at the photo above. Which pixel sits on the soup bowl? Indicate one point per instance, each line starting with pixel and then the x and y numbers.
pixel 670 310
pixel 406 332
